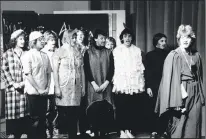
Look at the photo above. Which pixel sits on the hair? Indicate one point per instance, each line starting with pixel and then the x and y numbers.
pixel 68 34
pixel 126 31
pixel 111 39
pixel 157 37
pixel 192 48
pixel 50 34
pixel 12 42
pixel 188 31
pixel 86 36
pixel 99 32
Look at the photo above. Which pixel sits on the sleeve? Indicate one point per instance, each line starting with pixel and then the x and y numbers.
pixel 5 67
pixel 111 68
pixel 27 63
pixel 87 68
pixel 169 95
pixel 49 65
pixel 200 78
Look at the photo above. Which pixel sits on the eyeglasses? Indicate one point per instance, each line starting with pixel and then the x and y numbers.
pixel 41 39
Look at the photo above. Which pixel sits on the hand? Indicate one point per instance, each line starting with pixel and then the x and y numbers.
pixel 183 110
pixel 46 91
pixel 21 84
pixel 42 92
pixel 104 86
pixel 95 86
pixel 149 92
pixel 58 93
pixel 16 85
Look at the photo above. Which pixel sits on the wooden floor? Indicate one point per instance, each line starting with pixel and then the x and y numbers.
pixel 111 136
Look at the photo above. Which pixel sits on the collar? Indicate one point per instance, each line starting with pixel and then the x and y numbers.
pixel 98 48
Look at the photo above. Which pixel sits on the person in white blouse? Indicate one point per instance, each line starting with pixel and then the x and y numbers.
pixel 129 83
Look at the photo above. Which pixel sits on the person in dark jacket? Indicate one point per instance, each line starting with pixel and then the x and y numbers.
pixel 154 62
pixel 99 70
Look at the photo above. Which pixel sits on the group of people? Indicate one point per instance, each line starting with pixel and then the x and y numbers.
pixel 82 87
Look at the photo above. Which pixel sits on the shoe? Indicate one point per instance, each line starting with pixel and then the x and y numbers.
pixel 23 136
pixel 90 133
pixel 129 134
pixel 10 136
pixel 153 135
pixel 123 135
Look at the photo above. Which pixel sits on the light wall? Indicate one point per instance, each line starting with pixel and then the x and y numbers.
pixel 45 7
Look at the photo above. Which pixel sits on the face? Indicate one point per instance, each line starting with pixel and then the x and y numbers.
pixel 20 41
pixel 127 39
pixel 100 41
pixel 40 43
pixel 162 43
pixel 80 37
pixel 73 40
pixel 109 44
pixel 51 43
pixel 185 41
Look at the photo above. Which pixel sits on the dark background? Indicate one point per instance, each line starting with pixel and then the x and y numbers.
pixel 30 20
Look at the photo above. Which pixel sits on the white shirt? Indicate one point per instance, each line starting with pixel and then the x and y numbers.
pixel 38 65
pixel 129 70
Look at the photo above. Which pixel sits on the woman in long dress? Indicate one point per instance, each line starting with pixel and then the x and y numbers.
pixel 181 89
pixel 68 70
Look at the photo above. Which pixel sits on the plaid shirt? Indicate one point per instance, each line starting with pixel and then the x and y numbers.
pixel 15 101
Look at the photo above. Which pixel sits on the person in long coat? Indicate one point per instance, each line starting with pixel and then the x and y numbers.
pixel 15 100
pixel 67 68
pixel 181 90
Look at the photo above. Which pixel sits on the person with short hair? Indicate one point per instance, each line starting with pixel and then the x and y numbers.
pixel 180 90
pixel 129 85
pixel 154 62
pixel 99 70
pixel 37 70
pixel 110 43
pixel 49 48
pixel 16 112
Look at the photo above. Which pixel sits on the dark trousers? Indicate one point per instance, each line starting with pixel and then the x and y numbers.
pixel 17 127
pixel 51 113
pixel 156 123
pixel 129 111
pixel 83 121
pixel 67 120
pixel 37 108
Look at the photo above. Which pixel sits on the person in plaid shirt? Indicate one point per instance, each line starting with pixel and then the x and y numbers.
pixel 15 100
